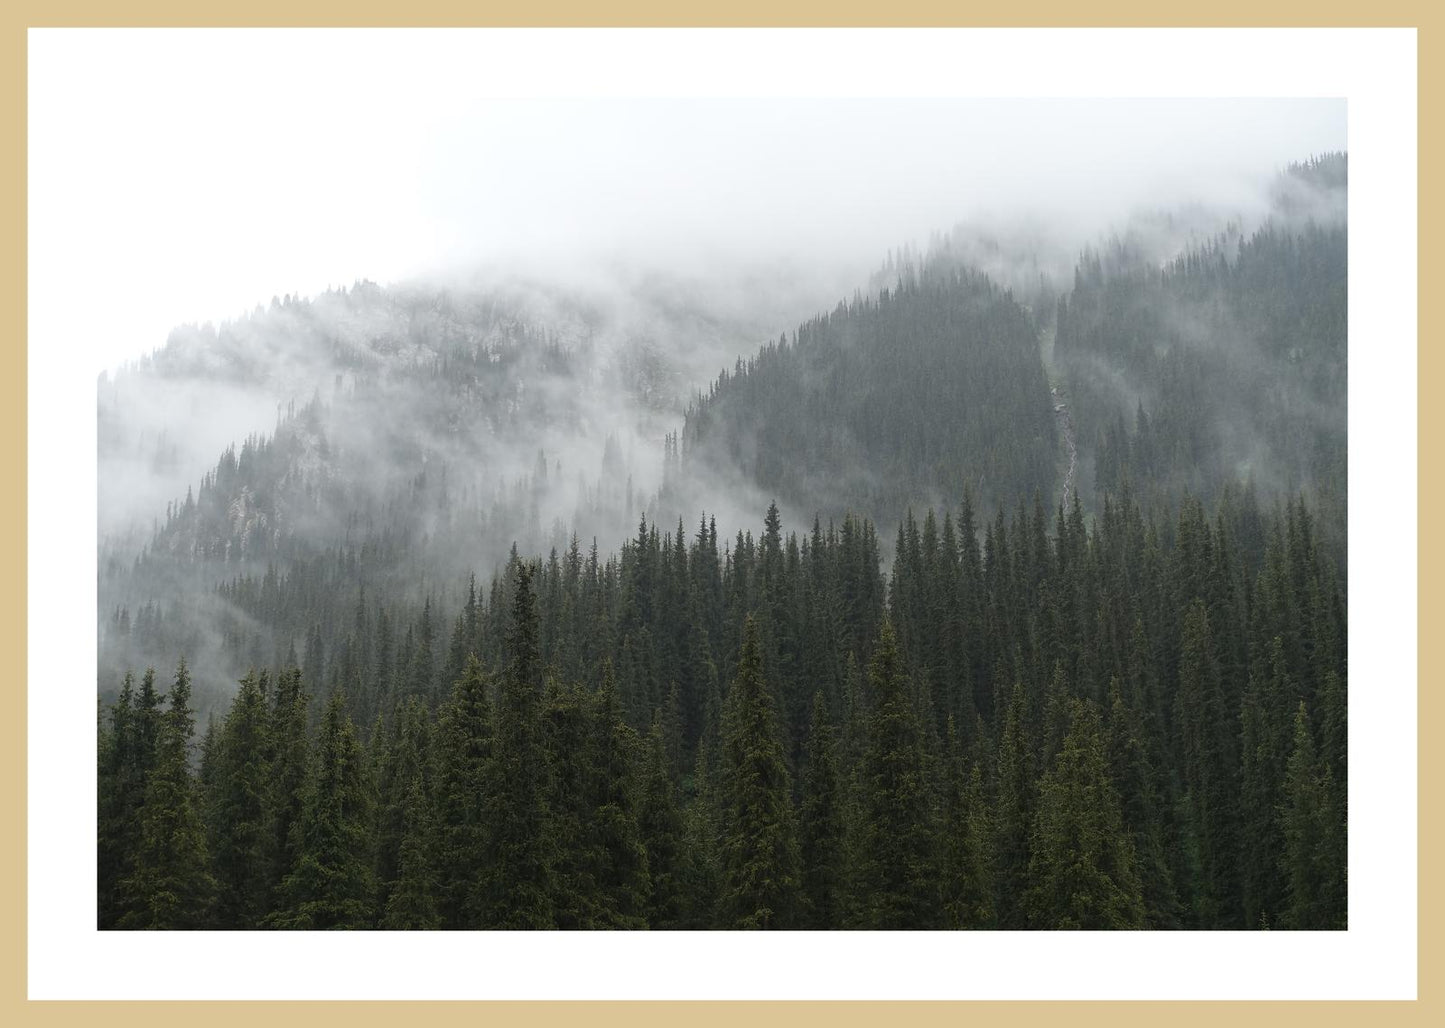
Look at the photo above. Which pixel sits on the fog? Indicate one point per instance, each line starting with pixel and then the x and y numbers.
pixel 190 187
pixel 246 247
pixel 692 230
pixel 662 237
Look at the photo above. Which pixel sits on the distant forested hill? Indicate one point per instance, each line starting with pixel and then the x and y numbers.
pixel 935 385
pixel 1224 365
pixel 498 669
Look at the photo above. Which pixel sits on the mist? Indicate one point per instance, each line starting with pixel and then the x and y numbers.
pixel 691 231
pixel 485 337
pixel 403 163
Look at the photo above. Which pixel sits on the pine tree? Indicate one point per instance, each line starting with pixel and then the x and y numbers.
pixel 1314 855
pixel 1264 750
pixel 332 885
pixel 822 826
pixel 759 849
pixel 464 744
pixel 1082 864
pixel 968 888
pixel 1209 768
pixel 622 875
pixel 515 887
pixel 290 760
pixel 1013 816
pixel 895 879
pixel 123 768
pixel 700 876
pixel 404 821
pixel 575 897
pixel 1141 806
pixel 170 885
pixel 661 825
pixel 413 902
pixel 239 810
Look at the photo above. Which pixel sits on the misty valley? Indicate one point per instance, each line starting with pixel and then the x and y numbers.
pixel 1002 587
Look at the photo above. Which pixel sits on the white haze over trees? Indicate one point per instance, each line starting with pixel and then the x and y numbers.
pixel 192 187
pixel 751 214
pixel 294 248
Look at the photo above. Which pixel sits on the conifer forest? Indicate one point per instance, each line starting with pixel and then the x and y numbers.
pixel 996 589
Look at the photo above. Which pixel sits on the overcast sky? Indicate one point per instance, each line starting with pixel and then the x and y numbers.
pixel 184 175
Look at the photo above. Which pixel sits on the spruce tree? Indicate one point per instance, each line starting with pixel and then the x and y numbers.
pixel 332 885
pixel 576 860
pixel 412 904
pixel 405 822
pixel 120 793
pixel 1265 746
pixel 895 879
pixel 1314 855
pixel 1207 749
pixel 1141 808
pixel 662 828
pixel 239 810
pixel 759 848
pixel 700 875
pixel 464 745
pixel 968 888
pixel 1082 863
pixel 614 831
pixel 170 885
pixel 514 886
pixel 822 826
pixel 290 759
pixel 1013 816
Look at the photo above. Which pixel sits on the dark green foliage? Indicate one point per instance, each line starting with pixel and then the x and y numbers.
pixel 464 744
pixel 332 885
pixel 822 827
pixel 1222 363
pixel 889 400
pixel 126 756
pixel 521 800
pixel 514 880
pixel 600 877
pixel 758 847
pixel 170 883
pixel 1013 816
pixel 701 875
pixel 661 825
pixel 895 877
pixel 1141 808
pixel 615 836
pixel 290 759
pixel 1208 769
pixel 591 768
pixel 1314 838
pixel 1265 743
pixel 968 888
pixel 238 809
pixel 413 900
pixel 408 883
pixel 1031 709
pixel 1082 861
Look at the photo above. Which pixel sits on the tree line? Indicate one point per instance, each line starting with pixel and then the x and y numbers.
pixel 1027 722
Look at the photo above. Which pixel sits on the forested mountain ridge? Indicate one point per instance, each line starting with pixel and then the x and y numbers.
pixel 888 402
pixel 435 429
pixel 1126 711
pixel 1197 701
pixel 1227 363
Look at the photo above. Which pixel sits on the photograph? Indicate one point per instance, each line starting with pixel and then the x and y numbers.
pixel 706 513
